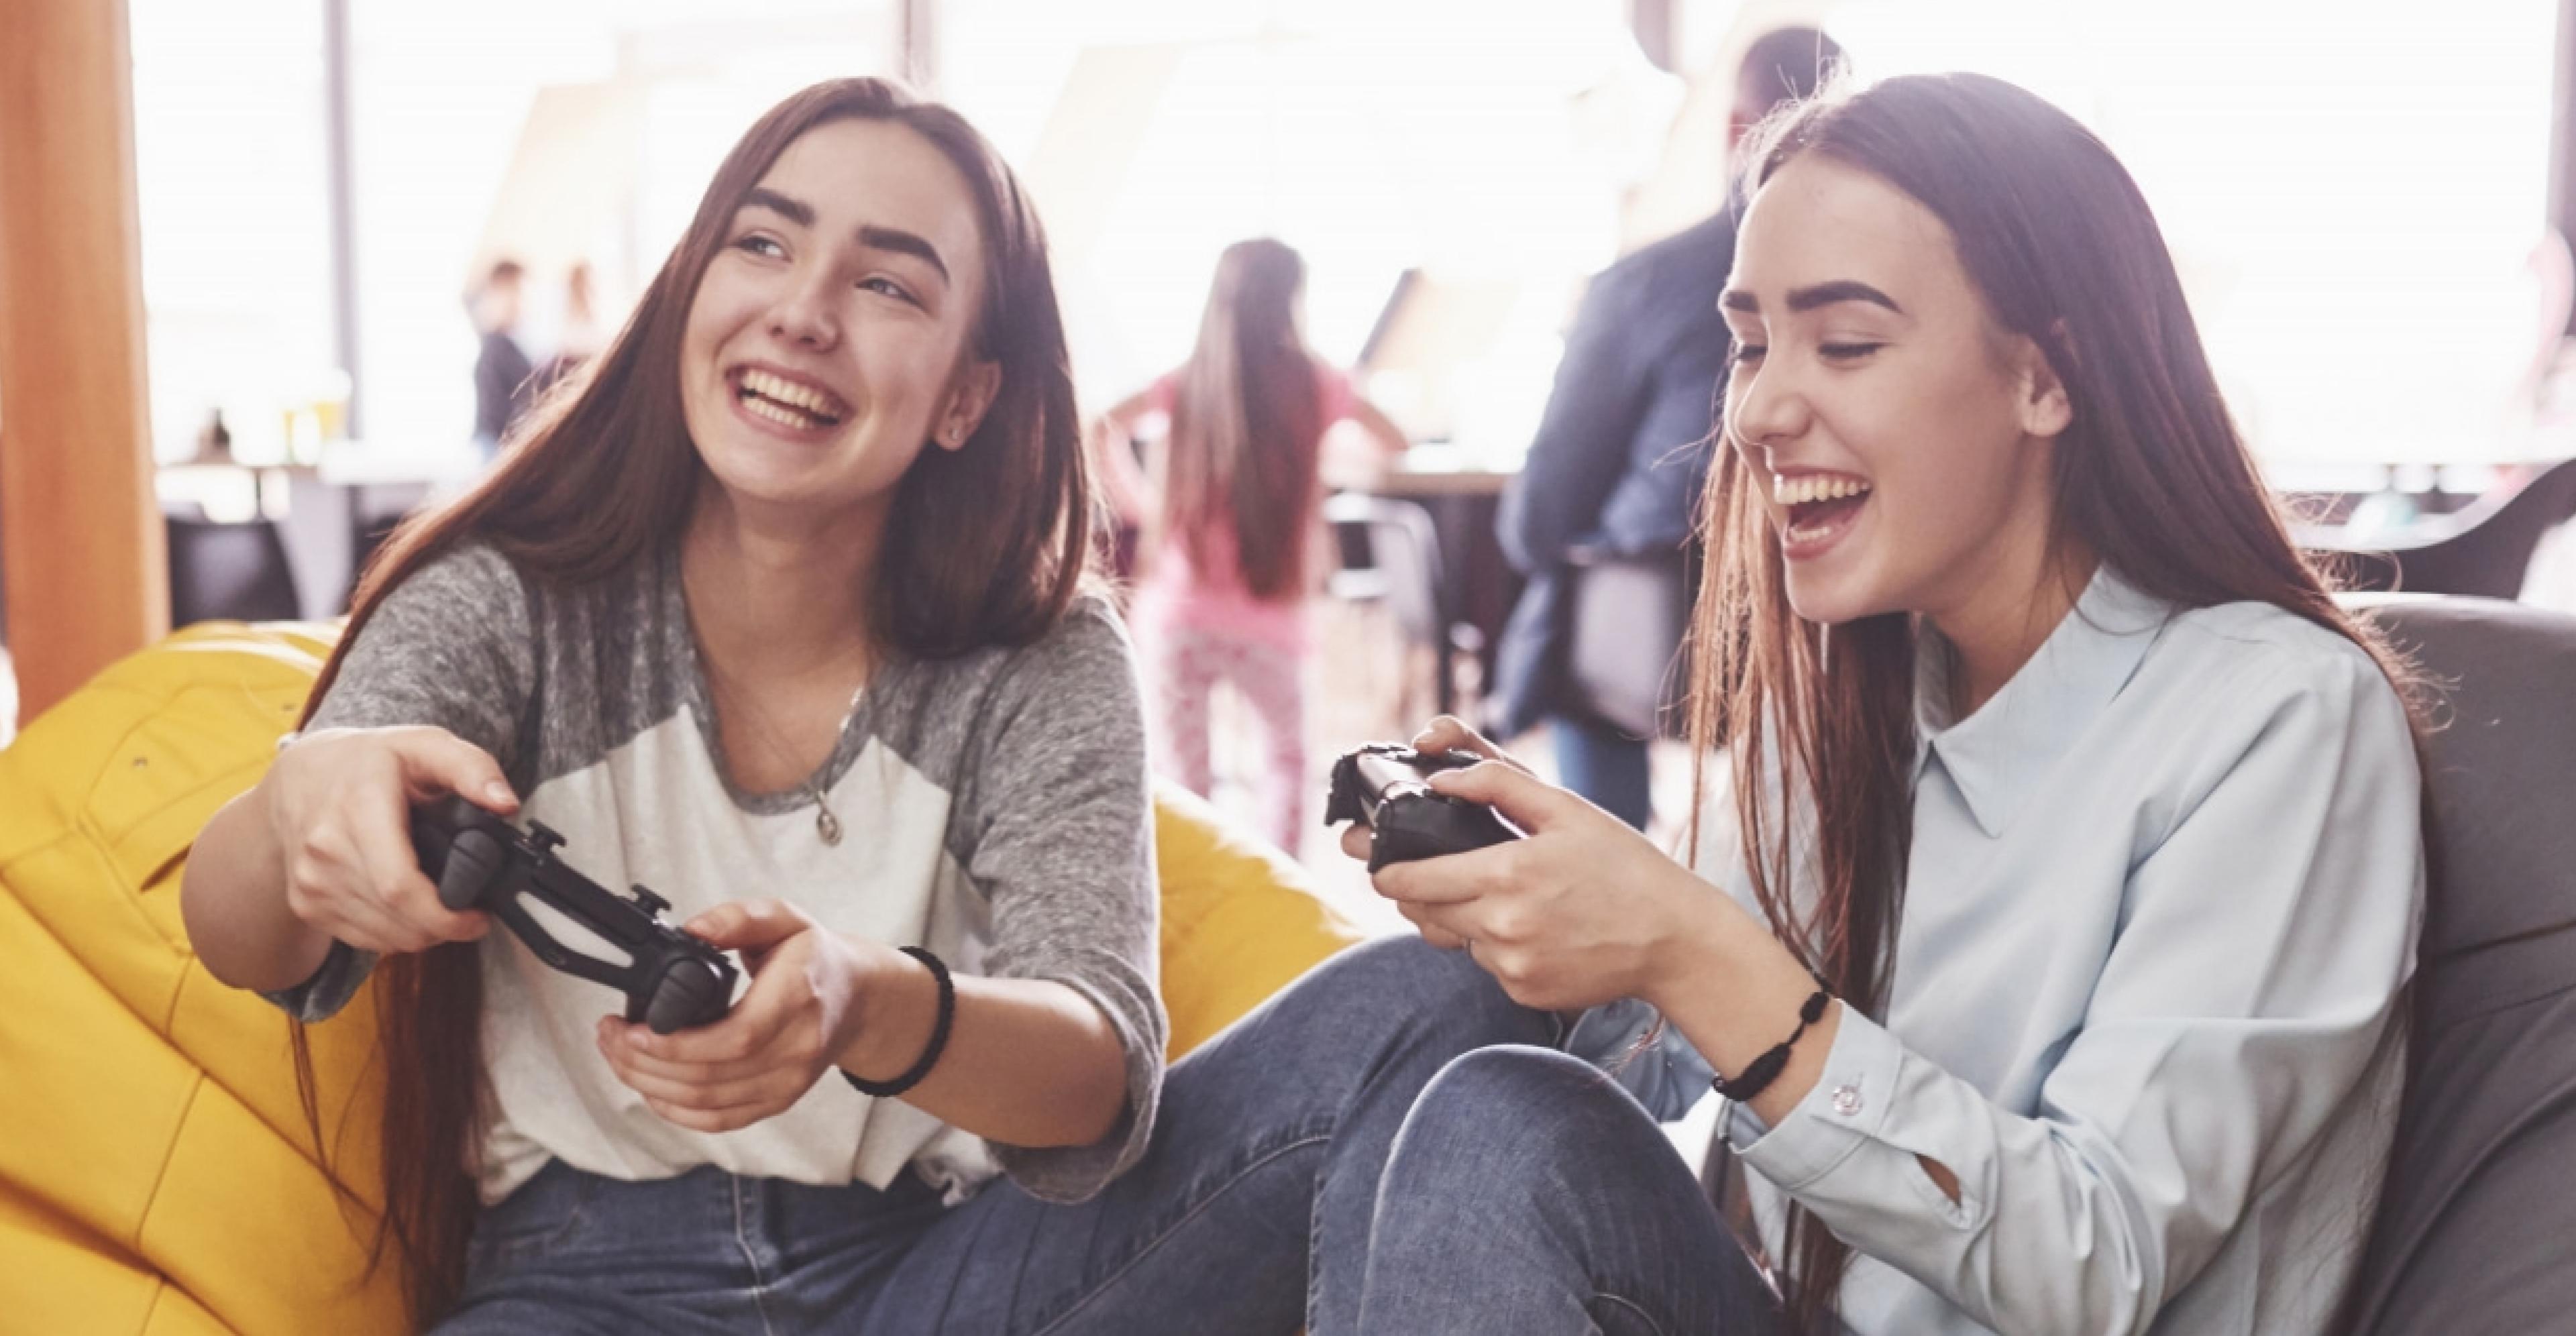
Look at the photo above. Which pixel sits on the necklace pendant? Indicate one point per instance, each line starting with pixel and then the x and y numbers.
pixel 826 824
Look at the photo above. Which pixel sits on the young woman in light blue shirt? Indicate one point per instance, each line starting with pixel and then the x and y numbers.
pixel 2068 859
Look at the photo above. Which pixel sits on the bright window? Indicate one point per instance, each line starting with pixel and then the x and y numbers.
pixel 228 141
pixel 553 132
pixel 2353 193
pixel 1440 135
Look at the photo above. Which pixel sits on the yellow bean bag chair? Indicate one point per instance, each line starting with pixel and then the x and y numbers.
pixel 155 1171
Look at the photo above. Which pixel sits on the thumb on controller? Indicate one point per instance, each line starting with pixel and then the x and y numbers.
pixel 1522 798
pixel 752 927
pixel 1450 733
pixel 435 761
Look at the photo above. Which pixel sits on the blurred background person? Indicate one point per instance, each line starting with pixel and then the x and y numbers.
pixel 505 378
pixel 1227 507
pixel 582 335
pixel 1621 453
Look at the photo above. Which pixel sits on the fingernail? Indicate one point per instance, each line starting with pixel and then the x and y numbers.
pixel 499 792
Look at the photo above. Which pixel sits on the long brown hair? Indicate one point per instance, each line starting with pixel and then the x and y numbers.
pixel 984 545
pixel 2151 476
pixel 1247 423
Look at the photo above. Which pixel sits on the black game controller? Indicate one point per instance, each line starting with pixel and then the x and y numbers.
pixel 1383 784
pixel 672 981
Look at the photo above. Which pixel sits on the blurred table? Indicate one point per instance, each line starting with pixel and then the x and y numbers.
pixel 1464 498
pixel 328 514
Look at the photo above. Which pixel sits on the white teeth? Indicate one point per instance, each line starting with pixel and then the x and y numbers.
pixel 781 416
pixel 788 392
pixel 1809 487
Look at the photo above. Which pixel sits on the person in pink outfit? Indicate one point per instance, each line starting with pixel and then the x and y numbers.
pixel 1226 502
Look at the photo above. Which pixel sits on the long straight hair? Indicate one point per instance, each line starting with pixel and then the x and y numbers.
pixel 1247 424
pixel 984 545
pixel 2151 476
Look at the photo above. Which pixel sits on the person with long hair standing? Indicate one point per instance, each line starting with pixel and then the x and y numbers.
pixel 1227 511
pixel 2068 849
pixel 780 609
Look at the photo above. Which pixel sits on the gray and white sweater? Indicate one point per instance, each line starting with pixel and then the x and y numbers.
pixel 995 807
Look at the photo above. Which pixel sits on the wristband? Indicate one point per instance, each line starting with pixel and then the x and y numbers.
pixel 938 1035
pixel 1758 1074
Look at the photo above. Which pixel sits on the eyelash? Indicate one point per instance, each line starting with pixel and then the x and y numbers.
pixel 769 247
pixel 1745 354
pixel 889 287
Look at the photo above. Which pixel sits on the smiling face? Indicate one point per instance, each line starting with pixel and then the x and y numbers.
pixel 831 336
pixel 1901 438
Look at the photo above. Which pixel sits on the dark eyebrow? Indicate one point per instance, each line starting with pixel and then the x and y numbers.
pixel 904 243
pixel 1811 298
pixel 795 211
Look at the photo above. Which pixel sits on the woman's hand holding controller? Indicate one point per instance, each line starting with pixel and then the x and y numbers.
pixel 339 805
pixel 1582 911
pixel 808 1004
pixel 1446 733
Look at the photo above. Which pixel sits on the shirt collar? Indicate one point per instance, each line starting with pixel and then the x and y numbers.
pixel 1999 753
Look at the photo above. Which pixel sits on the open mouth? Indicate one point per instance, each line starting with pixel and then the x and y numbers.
pixel 790 404
pixel 1818 505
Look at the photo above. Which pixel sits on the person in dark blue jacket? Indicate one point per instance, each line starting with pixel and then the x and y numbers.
pixel 505 378
pixel 1623 448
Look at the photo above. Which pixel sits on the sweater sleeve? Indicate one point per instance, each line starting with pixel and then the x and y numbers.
pixel 451 647
pixel 1060 841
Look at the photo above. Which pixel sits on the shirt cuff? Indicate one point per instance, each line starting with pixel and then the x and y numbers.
pixel 343 971
pixel 1841 1113
pixel 1068 1174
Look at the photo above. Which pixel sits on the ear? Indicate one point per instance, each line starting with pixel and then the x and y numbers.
pixel 978 382
pixel 2045 409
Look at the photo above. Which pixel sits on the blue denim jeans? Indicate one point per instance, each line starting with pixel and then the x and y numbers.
pixel 1610 769
pixel 1299 1171
pixel 1529 1194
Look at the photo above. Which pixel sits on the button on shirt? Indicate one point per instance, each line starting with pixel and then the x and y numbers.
pixel 2163 895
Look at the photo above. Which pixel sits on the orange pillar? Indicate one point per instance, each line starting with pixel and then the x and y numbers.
pixel 80 532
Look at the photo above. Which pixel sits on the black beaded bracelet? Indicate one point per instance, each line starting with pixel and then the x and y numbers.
pixel 1758 1074
pixel 938 1034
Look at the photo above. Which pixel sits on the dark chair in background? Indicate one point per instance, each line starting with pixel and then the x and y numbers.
pixel 229 572
pixel 2482 551
pixel 2473 1225
pixel 1390 554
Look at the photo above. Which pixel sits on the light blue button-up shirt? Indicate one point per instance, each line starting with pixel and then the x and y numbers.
pixel 2162 899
